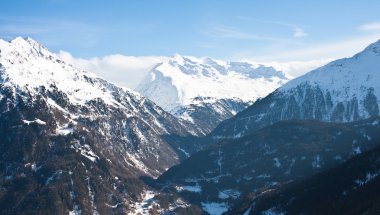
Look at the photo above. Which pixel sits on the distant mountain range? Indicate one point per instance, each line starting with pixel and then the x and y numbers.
pixel 205 91
pixel 74 143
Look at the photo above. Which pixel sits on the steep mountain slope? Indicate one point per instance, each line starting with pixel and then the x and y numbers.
pixel 217 177
pixel 351 188
pixel 178 83
pixel 207 112
pixel 341 91
pixel 74 140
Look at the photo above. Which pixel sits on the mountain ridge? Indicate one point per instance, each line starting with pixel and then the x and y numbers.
pixel 71 142
pixel 342 91
pixel 29 69
pixel 183 71
pixel 179 82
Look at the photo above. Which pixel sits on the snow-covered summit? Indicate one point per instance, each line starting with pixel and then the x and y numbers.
pixel 178 80
pixel 24 46
pixel 346 78
pixel 27 64
pixel 128 127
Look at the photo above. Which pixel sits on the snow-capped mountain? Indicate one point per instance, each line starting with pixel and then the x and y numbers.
pixel 73 142
pixel 123 116
pixel 341 91
pixel 219 177
pixel 179 83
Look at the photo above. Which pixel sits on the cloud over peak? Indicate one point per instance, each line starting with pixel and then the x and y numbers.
pixel 123 70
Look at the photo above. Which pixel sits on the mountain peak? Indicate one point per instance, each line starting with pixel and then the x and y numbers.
pixel 359 72
pixel 29 65
pixel 20 39
pixel 177 58
pixel 374 47
pixel 23 47
pixel 25 42
pixel 180 79
pixel 344 90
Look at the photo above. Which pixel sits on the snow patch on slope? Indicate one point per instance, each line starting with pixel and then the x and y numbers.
pixel 215 208
pixel 37 121
pixel 144 206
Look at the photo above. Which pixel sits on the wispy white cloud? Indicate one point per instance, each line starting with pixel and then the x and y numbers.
pixel 297 29
pixel 227 32
pixel 130 70
pixel 295 68
pixel 326 50
pixel 299 32
pixel 294 60
pixel 126 71
pixel 301 60
pixel 280 23
pixel 373 26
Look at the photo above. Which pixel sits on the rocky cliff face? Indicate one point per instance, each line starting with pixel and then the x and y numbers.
pixel 206 112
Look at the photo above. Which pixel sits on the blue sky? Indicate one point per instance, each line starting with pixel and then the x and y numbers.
pixel 261 31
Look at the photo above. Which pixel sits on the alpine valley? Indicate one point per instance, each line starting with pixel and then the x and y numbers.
pixel 204 137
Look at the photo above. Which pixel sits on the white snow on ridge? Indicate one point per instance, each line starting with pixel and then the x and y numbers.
pixel 178 80
pixel 30 71
pixel 345 78
pixel 37 121
pixel 29 65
